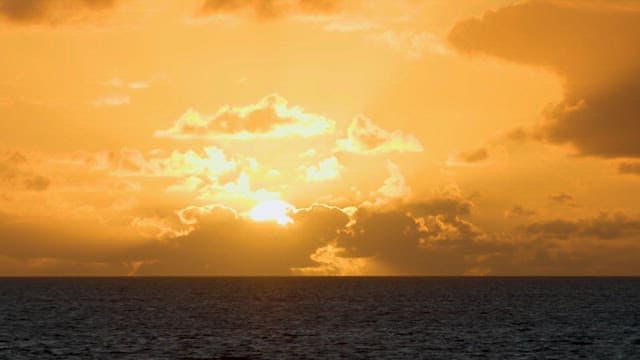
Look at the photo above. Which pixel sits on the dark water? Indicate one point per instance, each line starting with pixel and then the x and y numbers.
pixel 306 318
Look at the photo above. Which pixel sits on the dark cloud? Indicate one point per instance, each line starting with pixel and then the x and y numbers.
pixel 473 156
pixel 37 183
pixel 629 168
pixel 448 244
pixel 49 11
pixel 426 237
pixel 270 9
pixel 594 47
pixel 435 237
pixel 448 206
pixel 519 211
pixel 561 197
pixel 604 227
pixel 223 244
pixel 558 229
pixel 17 174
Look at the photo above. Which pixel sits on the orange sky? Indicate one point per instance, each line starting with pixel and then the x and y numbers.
pixel 319 137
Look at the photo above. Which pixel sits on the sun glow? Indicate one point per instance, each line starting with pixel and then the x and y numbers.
pixel 272 210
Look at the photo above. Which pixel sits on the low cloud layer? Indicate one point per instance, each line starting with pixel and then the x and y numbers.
pixel 593 46
pixel 435 236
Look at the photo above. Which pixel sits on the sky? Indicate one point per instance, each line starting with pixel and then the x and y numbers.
pixel 319 137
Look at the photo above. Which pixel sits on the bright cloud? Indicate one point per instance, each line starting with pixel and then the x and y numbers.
pixel 272 210
pixel 271 117
pixel 330 261
pixel 238 194
pixel 327 169
pixel 211 163
pixel 393 189
pixel 365 137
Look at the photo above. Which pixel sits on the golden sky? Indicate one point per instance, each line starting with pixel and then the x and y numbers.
pixel 319 137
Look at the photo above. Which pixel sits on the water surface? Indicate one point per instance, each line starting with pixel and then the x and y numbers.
pixel 313 318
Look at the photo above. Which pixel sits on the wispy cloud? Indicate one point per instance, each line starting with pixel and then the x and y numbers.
pixel 112 100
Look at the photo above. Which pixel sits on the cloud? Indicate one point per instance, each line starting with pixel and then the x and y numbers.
pixel 394 188
pixel 270 9
pixel 605 226
pixel 156 228
pixel 413 45
pixel 37 183
pixel 519 211
pixel 189 184
pixel 598 62
pixel 449 206
pixel 17 173
pixel 562 198
pixel 134 85
pixel 222 242
pixel 330 261
pixel 441 239
pixel 471 157
pixel 325 240
pixel 50 11
pixel 120 231
pixel 208 174
pixel 309 153
pixel 112 100
pixel 435 236
pixel 629 168
pixel 327 169
pixel 364 137
pixel 347 25
pixel 191 215
pixel 211 162
pixel 412 238
pixel 239 193
pixel 271 117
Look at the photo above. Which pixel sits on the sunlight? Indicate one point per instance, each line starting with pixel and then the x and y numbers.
pixel 272 210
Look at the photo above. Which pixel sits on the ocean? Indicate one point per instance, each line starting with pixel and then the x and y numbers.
pixel 320 318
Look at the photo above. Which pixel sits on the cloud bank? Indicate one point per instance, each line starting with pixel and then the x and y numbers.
pixel 593 46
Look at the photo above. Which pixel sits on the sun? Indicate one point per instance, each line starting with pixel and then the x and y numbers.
pixel 272 210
